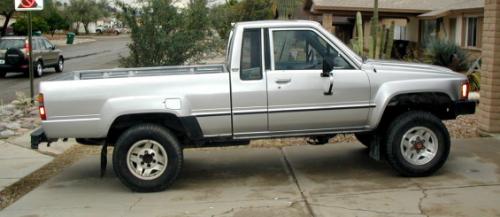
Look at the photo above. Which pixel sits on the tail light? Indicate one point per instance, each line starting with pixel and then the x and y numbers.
pixel 464 90
pixel 41 107
pixel 27 47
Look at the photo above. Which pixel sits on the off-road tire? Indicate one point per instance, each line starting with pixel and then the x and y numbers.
pixel 149 132
pixel 58 67
pixel 399 126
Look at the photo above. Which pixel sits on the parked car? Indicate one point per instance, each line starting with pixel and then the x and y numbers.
pixel 280 79
pixel 109 30
pixel 14 55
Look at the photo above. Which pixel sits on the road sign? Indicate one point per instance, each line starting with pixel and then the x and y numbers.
pixel 28 5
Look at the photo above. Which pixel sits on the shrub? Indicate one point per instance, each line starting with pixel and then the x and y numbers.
pixel 447 54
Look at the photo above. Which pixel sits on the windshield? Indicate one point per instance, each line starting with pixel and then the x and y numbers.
pixel 6 44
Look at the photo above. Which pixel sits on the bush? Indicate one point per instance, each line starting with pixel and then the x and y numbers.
pixel 165 35
pixel 447 54
pixel 21 25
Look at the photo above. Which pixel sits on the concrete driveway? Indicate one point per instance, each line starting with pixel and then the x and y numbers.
pixel 331 180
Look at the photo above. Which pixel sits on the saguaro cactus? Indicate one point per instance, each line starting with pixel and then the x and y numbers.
pixel 374 31
pixel 390 41
pixel 360 33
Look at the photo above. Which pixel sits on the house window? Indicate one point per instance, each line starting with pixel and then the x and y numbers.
pixel 453 30
pixel 428 31
pixel 472 31
pixel 400 33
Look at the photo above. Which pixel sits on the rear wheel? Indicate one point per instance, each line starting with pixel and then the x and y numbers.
pixel 38 70
pixel 147 158
pixel 60 65
pixel 418 144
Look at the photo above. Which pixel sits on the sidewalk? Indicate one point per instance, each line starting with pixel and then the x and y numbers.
pixel 319 181
pixel 17 162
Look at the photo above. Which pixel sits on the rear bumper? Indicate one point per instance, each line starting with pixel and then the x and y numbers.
pixel 38 136
pixel 14 68
pixel 465 107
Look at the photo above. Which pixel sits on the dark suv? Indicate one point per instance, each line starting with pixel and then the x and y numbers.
pixel 14 55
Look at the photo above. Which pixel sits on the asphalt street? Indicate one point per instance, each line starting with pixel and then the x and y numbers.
pixel 104 53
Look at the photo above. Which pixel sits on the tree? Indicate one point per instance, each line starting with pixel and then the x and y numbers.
pixel 54 17
pixel 6 10
pixel 165 35
pixel 87 11
pixel 221 16
pixel 21 25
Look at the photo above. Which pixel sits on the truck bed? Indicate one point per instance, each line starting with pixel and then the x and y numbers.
pixel 143 72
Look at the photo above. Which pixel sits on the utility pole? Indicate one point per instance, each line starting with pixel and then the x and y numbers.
pixel 30 48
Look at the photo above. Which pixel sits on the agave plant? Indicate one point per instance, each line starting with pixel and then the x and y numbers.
pixel 447 54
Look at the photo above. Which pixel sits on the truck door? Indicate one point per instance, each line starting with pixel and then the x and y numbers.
pixel 248 84
pixel 296 93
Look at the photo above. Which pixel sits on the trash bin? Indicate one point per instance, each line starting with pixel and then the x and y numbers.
pixel 70 38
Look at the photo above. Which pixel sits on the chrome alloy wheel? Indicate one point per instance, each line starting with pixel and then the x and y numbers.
pixel 39 69
pixel 419 145
pixel 61 64
pixel 147 159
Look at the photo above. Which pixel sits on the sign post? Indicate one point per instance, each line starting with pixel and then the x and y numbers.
pixel 29 6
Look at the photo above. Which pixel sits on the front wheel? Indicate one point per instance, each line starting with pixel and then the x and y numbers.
pixel 418 144
pixel 147 158
pixel 60 65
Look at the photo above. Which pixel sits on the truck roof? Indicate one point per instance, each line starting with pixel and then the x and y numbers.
pixel 277 23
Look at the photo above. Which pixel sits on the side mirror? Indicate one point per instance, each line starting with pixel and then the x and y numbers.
pixel 53 47
pixel 328 66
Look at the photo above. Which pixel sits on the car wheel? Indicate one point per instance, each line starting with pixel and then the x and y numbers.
pixel 60 65
pixel 147 158
pixel 418 144
pixel 38 70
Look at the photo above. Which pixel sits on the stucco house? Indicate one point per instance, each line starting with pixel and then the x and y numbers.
pixel 419 21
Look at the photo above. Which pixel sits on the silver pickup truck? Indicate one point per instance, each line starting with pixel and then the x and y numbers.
pixel 280 79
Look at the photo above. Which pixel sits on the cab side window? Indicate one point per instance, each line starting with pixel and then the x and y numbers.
pixel 251 55
pixel 303 50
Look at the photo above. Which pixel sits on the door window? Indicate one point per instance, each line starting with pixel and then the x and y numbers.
pixel 47 44
pixel 251 55
pixel 303 50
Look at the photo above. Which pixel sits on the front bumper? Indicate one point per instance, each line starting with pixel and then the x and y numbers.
pixel 465 107
pixel 38 136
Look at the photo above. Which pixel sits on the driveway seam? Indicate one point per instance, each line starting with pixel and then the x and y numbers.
pixel 289 169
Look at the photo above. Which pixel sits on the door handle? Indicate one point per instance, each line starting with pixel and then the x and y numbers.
pixel 283 81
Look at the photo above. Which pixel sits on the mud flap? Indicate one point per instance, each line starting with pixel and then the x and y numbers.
pixel 375 148
pixel 104 158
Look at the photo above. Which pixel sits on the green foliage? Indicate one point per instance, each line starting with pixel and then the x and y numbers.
pixel 21 25
pixel 474 80
pixel 374 32
pixel 447 54
pixel 50 19
pixel 54 17
pixel 87 11
pixel 165 35
pixel 222 16
pixel 357 43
